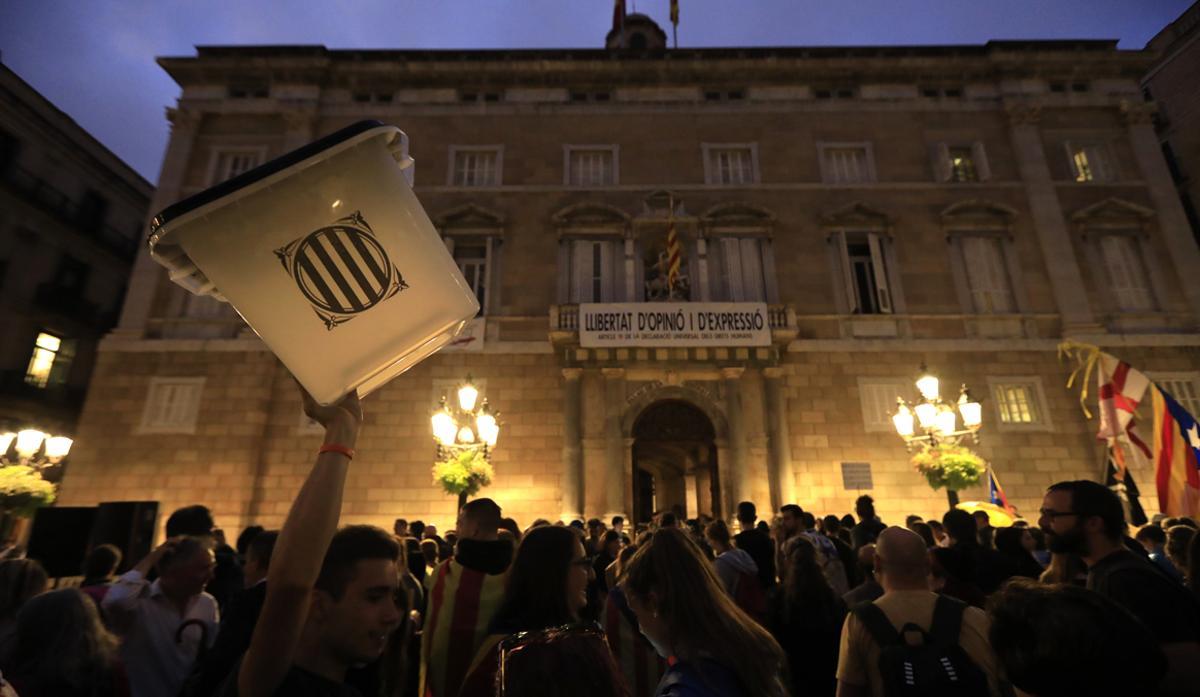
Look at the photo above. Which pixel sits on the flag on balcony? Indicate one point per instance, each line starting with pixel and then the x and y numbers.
pixel 673 254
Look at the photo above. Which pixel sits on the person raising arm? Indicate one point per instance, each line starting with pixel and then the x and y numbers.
pixel 331 595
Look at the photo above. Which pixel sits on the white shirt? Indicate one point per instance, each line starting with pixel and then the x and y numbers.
pixel 147 622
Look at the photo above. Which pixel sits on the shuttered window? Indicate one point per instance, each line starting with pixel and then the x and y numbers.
pixel 1126 273
pixel 987 275
pixel 172 405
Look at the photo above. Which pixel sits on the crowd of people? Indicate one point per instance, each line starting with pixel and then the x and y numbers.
pixel 794 605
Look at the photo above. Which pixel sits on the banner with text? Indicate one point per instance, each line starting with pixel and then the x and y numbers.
pixel 673 324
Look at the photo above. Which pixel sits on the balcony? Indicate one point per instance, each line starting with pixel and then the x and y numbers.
pixel 37 192
pixel 69 303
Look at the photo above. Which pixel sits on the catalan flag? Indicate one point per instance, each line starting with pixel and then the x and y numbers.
pixel 673 255
pixel 462 602
pixel 1176 454
pixel 996 492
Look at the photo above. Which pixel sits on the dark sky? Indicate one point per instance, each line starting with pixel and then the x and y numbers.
pixel 95 58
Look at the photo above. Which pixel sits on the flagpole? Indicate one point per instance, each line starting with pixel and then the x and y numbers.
pixel 675 34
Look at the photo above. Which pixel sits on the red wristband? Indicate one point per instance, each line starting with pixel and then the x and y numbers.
pixel 335 448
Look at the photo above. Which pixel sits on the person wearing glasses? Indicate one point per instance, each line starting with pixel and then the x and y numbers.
pixel 1086 518
pixel 546 591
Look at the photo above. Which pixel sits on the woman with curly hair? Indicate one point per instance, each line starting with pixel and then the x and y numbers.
pixel 806 618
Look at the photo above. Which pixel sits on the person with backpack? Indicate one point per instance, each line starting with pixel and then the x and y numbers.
pixel 912 642
pixel 737 571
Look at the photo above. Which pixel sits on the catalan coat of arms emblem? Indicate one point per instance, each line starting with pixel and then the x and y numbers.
pixel 341 270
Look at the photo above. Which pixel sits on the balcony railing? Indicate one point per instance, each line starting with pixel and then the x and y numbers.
pixel 69 303
pixel 53 201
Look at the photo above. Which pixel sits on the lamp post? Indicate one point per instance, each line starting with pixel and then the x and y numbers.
pixel 33 448
pixel 930 421
pixel 460 428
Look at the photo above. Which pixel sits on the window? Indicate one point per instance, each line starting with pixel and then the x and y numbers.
pixel 92 209
pixel 230 162
pixel 1090 162
pixel 1020 403
pixel 731 165
pixel 835 93
pixel 478 96
pixel 72 274
pixel 9 147
pixel 724 95
pixel 591 271
pixel 591 166
pixel 987 275
pixel 1126 273
pixel 878 400
pixel 50 362
pixel 249 91
pixel 372 97
pixel 864 272
pixel 962 162
pixel 930 92
pixel 580 96
pixel 475 166
pixel 1183 387
pixel 172 405
pixel 846 163
pixel 472 257
pixel 739 266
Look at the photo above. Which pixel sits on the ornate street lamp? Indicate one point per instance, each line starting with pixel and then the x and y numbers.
pixel 33 448
pixel 465 437
pixel 931 424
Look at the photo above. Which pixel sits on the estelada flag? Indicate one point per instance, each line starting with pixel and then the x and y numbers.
pixel 996 492
pixel 1176 454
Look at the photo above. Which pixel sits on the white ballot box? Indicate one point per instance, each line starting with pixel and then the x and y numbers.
pixel 328 256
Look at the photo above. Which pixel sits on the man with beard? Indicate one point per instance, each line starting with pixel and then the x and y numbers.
pixel 1086 518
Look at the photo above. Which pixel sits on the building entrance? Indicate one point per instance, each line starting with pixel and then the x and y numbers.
pixel 674 462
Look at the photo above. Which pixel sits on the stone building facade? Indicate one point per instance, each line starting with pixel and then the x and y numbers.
pixel 962 207
pixel 71 215
pixel 1171 83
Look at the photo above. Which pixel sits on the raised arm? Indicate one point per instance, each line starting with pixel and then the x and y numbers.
pixel 299 552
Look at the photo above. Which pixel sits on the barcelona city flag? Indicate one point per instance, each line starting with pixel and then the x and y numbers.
pixel 1176 454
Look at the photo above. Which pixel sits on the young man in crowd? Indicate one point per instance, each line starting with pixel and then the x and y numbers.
pixel 869 589
pixel 331 599
pixel 462 594
pixel 164 624
pixel 1086 518
pixel 902 567
pixel 1154 540
pixel 757 544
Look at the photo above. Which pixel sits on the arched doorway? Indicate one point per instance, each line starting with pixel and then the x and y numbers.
pixel 674 462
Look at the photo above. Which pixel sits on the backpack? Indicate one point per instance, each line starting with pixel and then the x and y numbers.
pixel 749 596
pixel 937 667
pixel 830 562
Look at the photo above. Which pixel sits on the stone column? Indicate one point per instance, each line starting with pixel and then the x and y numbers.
pixel 572 452
pixel 1048 224
pixel 736 476
pixel 614 444
pixel 1172 222
pixel 690 497
pixel 147 274
pixel 779 466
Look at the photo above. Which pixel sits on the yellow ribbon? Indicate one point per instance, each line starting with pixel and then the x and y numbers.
pixel 1085 357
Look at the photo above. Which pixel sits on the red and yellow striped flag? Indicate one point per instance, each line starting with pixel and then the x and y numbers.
pixel 461 604
pixel 673 254
pixel 640 665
